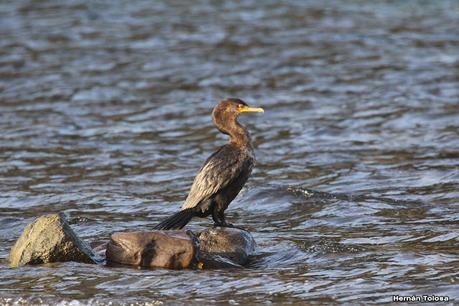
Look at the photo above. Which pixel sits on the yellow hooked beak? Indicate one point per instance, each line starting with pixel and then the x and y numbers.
pixel 246 109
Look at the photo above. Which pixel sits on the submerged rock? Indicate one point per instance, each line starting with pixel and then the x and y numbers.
pixel 161 249
pixel 50 239
pixel 225 247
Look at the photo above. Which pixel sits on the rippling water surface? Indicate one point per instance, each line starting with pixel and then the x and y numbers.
pixel 105 115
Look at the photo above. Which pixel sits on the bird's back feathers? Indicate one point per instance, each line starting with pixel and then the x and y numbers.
pixel 218 171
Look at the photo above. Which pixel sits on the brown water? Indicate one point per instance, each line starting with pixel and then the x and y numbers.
pixel 105 115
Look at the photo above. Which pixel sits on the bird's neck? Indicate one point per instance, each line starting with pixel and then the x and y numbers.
pixel 239 135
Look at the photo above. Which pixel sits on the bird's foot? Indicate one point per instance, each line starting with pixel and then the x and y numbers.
pixel 218 224
pixel 224 224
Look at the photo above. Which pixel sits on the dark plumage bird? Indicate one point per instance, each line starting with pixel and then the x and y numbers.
pixel 223 174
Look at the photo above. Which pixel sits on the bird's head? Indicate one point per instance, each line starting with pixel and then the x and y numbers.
pixel 231 108
pixel 227 111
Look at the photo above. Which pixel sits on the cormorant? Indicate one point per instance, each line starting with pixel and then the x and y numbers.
pixel 223 174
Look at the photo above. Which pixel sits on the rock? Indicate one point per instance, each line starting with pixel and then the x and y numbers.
pixel 213 261
pixel 162 249
pixel 225 247
pixel 50 239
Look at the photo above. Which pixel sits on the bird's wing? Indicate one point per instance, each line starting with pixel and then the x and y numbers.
pixel 216 173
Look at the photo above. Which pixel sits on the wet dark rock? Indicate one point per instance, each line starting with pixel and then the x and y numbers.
pixel 163 249
pixel 225 247
pixel 50 239
pixel 211 249
pixel 213 261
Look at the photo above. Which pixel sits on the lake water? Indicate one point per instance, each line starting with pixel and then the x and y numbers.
pixel 105 115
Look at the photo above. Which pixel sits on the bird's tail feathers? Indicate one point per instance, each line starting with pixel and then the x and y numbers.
pixel 176 221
